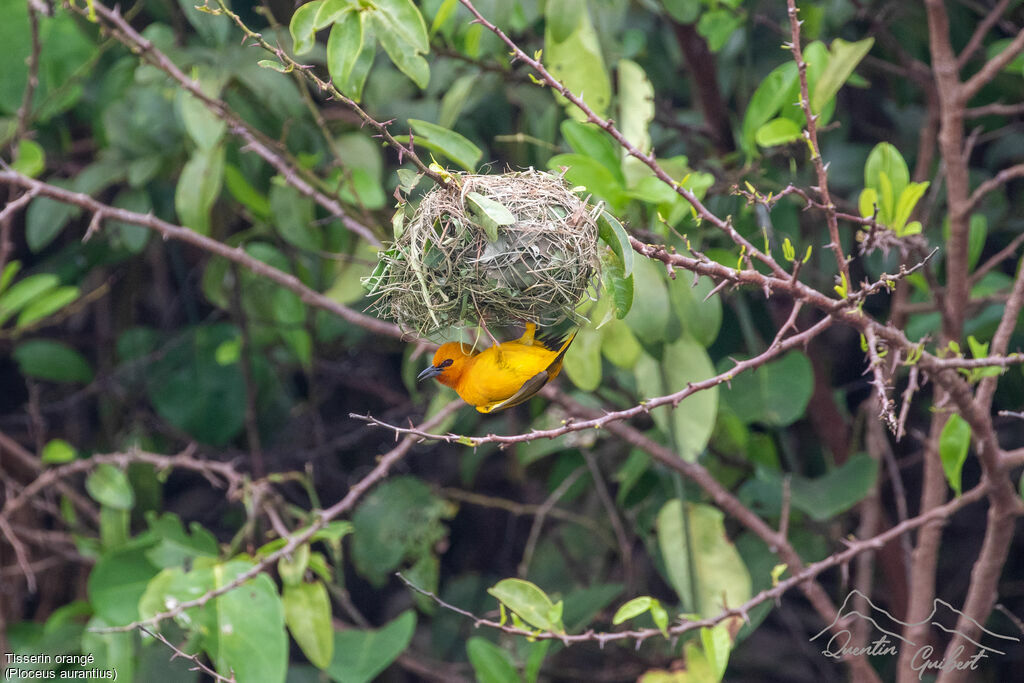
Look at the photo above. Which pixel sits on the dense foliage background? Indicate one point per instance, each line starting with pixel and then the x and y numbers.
pixel 187 345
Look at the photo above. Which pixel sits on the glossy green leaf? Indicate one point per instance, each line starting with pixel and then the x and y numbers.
pixel 25 292
pixel 650 313
pixel 47 304
pixel 619 345
pixel 884 158
pixel 843 59
pixel 717 27
pixel 578 64
pixel 954 442
pixel 590 141
pixel 57 452
pixel 109 485
pixel 307 612
pixel 775 394
pixel 402 53
pixel 683 11
pixel 7 276
pixel 615 236
pixel 490 663
pixel 45 218
pixel 583 359
pixel 400 519
pixel 332 10
pixel 530 602
pixel 447 142
pixel 688 426
pixel 779 90
pixel 697 540
pixel 118 581
pixel 582 170
pixel 911 194
pixel 204 127
pixel 700 317
pixel 778 132
pixel 29 159
pixel 293 217
pixel 633 608
pixel 360 655
pixel 198 188
pixel 52 361
pixel 255 650
pixel 490 213
pixel 130 236
pixel 176 546
pixel 717 646
pixel 403 18
pixel 303 27
pixel 195 393
pixel 831 494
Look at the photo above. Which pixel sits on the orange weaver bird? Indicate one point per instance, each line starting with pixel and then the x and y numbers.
pixel 501 376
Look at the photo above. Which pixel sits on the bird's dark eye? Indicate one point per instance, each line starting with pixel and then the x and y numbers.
pixel 445 363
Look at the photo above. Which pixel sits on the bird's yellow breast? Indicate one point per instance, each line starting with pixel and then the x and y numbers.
pixel 498 372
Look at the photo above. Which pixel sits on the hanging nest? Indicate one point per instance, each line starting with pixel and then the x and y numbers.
pixel 494 249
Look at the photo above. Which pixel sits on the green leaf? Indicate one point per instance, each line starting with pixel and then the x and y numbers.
pixel 578 64
pixel 905 205
pixel 194 392
pixel 884 158
pixel 403 19
pixel 332 10
pixel 491 664
pixel 649 315
pixel 245 193
pixel 778 131
pixel 954 442
pixel 615 236
pixel 490 212
pixel 775 394
pixel 633 608
pixel 445 12
pixel 118 581
pixel 720 578
pixel 57 452
pixel 254 649
pixel 176 546
pixel 683 11
pixel 25 292
pixel 590 173
pixel 700 317
pixel 718 26
pixel 717 645
pixel 636 105
pixel 837 491
pixel 349 73
pixel 400 519
pixel 128 235
pixel 47 304
pixel 293 217
pixel 843 59
pixel 590 141
pixel 204 127
pixel 530 602
pixel 307 612
pixel 198 188
pixel 779 90
pixel 447 142
pixel 45 218
pixel 688 425
pixel 583 359
pixel 659 615
pixel 52 361
pixel 9 272
pixel 303 27
pixel 868 201
pixel 109 485
pixel 29 159
pixel 975 239
pixel 360 655
pixel 619 345
pixel 403 54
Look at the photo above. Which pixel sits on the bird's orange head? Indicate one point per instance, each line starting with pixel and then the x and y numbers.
pixel 449 363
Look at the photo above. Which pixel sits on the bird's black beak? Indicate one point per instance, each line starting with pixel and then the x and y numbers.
pixel 432 371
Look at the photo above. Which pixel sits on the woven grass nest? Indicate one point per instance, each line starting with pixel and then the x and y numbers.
pixel 491 249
